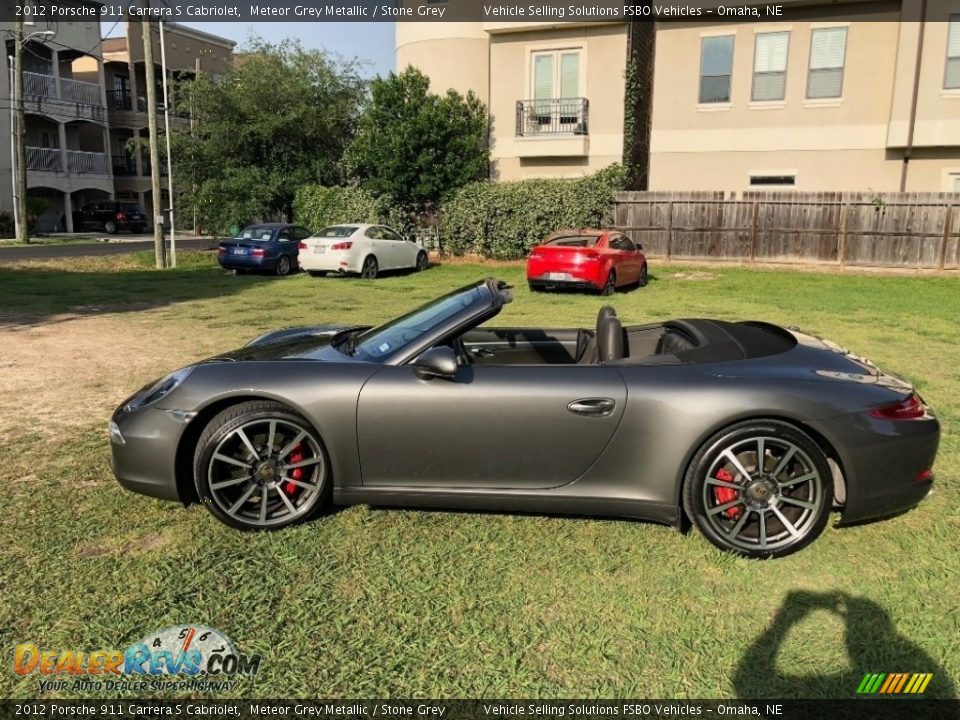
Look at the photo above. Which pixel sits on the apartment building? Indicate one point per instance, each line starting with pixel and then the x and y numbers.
pixel 841 96
pixel 85 101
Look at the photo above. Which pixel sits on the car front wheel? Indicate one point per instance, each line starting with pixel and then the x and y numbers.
pixel 259 465
pixel 642 281
pixel 761 489
pixel 421 262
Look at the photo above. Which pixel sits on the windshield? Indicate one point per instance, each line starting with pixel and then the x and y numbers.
pixel 336 231
pixel 255 234
pixel 378 343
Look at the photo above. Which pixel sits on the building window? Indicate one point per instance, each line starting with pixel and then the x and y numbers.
pixel 716 63
pixel 952 79
pixel 828 46
pixel 556 74
pixel 773 180
pixel 557 106
pixel 770 66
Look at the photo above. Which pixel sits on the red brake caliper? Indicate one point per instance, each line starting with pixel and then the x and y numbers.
pixel 724 494
pixel 296 455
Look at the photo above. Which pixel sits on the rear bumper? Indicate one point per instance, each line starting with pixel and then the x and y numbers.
pixel 245 262
pixel 338 261
pixel 574 283
pixel 882 463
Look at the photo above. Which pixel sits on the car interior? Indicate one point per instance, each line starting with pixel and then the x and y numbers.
pixel 610 343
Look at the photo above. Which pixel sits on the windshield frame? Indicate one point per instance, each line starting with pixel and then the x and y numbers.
pixel 487 302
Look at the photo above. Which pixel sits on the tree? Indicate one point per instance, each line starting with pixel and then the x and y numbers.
pixel 417 147
pixel 278 118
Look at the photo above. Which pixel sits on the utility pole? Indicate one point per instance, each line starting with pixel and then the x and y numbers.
pixel 20 134
pixel 158 245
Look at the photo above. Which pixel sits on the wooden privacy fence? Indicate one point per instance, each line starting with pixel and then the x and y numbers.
pixel 908 230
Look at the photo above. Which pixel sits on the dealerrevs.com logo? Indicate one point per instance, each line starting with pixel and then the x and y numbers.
pixel 207 657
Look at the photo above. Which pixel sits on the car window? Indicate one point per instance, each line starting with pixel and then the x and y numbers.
pixel 300 233
pixel 619 242
pixel 286 235
pixel 336 231
pixel 261 234
pixel 373 233
pixel 388 234
pixel 573 241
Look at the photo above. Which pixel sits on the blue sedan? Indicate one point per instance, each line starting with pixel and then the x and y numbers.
pixel 271 246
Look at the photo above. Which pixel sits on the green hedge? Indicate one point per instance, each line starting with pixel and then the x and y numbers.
pixel 504 220
pixel 316 207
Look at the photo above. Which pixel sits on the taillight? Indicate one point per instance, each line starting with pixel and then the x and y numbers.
pixel 120 216
pixel 341 246
pixel 302 246
pixel 534 256
pixel 924 476
pixel 221 250
pixel 257 252
pixel 909 409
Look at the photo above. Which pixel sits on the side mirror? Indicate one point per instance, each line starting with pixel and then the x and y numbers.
pixel 438 362
pixel 639 247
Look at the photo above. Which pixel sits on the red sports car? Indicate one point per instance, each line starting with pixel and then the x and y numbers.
pixel 601 260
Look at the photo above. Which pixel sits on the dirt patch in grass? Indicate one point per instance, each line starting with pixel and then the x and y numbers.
pixel 63 371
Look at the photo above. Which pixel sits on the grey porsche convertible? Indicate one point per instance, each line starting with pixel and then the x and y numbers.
pixel 750 431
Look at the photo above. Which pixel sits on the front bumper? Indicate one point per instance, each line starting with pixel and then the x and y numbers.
pixel 886 463
pixel 143 446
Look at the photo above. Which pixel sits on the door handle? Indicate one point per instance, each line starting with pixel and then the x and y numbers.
pixel 482 352
pixel 597 407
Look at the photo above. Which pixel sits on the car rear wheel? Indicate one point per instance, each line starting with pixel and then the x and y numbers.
pixel 317 273
pixel 421 262
pixel 370 268
pixel 110 227
pixel 259 465
pixel 761 489
pixel 610 286
pixel 283 266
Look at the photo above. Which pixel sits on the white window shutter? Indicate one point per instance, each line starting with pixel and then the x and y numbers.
pixel 827 48
pixel 542 77
pixel 570 75
pixel 953 37
pixel 771 52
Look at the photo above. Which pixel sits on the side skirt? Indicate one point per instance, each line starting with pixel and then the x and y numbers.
pixel 508 502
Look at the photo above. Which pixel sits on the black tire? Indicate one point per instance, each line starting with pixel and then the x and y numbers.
pixel 422 262
pixel 751 519
pixel 535 288
pixel 317 273
pixel 110 227
pixel 642 282
pixel 610 286
pixel 370 268
pixel 137 229
pixel 283 266
pixel 209 472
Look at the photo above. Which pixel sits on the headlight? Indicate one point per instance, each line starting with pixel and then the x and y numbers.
pixel 162 387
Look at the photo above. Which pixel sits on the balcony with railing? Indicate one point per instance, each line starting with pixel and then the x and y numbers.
pixel 79 162
pixel 42 159
pixel 122 102
pixel 39 85
pixel 80 91
pixel 553 127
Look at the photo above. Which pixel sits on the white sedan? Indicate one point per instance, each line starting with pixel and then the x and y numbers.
pixel 358 248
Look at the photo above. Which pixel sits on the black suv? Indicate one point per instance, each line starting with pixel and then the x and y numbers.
pixel 111 217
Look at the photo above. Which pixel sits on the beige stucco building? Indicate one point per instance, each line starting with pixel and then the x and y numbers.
pixel 822 101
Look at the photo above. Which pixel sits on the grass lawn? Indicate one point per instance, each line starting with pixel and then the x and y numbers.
pixel 372 603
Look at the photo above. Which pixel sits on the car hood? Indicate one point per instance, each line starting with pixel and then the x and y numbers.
pixel 296 343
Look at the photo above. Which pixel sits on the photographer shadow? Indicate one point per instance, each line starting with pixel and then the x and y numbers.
pixel 873 646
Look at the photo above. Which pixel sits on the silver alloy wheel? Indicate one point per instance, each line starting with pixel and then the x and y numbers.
pixel 267 472
pixel 283 265
pixel 762 493
pixel 369 270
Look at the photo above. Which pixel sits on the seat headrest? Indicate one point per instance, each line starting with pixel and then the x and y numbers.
pixel 610 341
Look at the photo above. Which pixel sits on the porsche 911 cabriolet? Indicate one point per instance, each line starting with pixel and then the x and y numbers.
pixel 750 431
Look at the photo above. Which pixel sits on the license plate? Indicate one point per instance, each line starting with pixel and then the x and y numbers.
pixel 320 249
pixel 239 251
pixel 557 276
